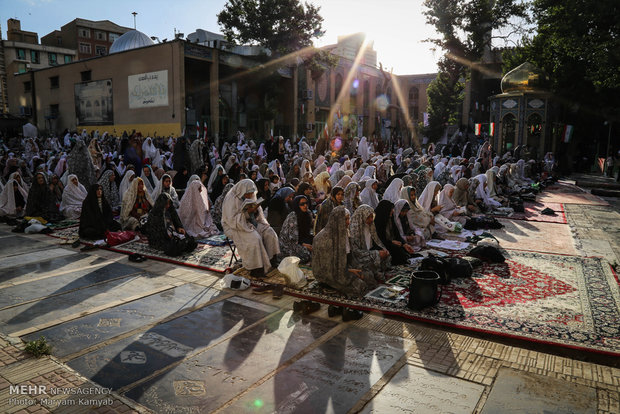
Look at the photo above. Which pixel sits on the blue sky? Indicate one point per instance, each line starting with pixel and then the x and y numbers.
pixel 396 26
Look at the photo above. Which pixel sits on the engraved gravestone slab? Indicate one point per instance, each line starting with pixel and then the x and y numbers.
pixel 417 390
pixel 27 270
pixel 19 260
pixel 331 378
pixel 73 336
pixel 24 292
pixel 10 246
pixel 51 309
pixel 521 392
pixel 232 366
pixel 165 344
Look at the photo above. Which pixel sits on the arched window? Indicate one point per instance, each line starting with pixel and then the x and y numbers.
pixel 338 84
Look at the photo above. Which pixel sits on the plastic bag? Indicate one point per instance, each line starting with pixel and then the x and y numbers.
pixel 230 281
pixel 35 226
pixel 289 267
pixel 114 238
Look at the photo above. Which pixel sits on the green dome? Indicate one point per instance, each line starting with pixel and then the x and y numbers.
pixel 525 78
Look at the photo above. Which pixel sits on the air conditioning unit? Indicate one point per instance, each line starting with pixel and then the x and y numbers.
pixel 309 126
pixel 307 94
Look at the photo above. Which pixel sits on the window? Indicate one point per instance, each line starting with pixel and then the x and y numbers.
pixel 21 54
pixel 101 50
pixel 414 94
pixel 85 48
pixel 59 41
pixel 113 37
pixel 53 111
pixel 100 35
pixel 86 75
pixel 22 68
pixel 68 58
pixel 52 59
pixel 54 82
pixel 84 33
pixel 27 87
pixel 34 56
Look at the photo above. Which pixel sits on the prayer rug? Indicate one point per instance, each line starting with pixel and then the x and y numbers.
pixel 535 236
pixel 568 301
pixel 214 258
pixel 533 209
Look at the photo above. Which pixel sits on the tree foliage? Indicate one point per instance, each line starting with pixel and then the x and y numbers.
pixel 465 28
pixel 445 95
pixel 577 43
pixel 283 26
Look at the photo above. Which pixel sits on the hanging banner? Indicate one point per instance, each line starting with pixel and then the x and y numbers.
pixel 148 90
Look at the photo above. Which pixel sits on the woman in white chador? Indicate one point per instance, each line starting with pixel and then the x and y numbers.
pixel 392 193
pixel 256 241
pixel 13 199
pixel 129 176
pixel 165 186
pixel 428 201
pixel 72 198
pixel 194 211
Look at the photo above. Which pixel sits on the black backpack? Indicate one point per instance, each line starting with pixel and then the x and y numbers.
pixel 457 267
pixel 438 265
pixel 488 254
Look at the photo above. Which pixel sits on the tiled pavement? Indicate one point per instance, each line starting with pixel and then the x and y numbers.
pixel 425 370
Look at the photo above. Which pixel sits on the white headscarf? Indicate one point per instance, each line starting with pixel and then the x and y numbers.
pixel 174 197
pixel 261 151
pixel 7 198
pixel 363 150
pixel 194 211
pixel 73 195
pixel 438 170
pixel 392 193
pixel 232 214
pixel 126 183
pixel 482 193
pixel 305 168
pixel 426 199
pixel 368 195
pixel 398 206
pixel 129 198
pixel 445 200
pixel 147 184
pixel 370 171
pixel 214 176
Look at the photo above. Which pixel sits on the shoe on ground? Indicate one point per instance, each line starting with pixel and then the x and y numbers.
pixel 299 306
pixel 278 291
pixel 311 307
pixel 263 289
pixel 351 315
pixel 137 258
pixel 334 311
pixel 258 272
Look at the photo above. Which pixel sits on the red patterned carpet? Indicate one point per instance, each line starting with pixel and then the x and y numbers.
pixel 562 300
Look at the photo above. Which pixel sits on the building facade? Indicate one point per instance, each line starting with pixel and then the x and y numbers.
pixel 169 87
pixel 89 38
pixel 21 53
